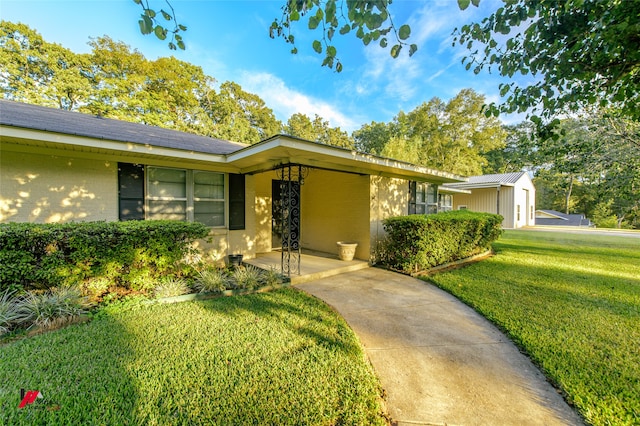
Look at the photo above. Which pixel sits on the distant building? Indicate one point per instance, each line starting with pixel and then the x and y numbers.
pixel 555 218
pixel 511 195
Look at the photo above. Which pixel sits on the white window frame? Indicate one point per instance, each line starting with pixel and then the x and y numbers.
pixel 442 206
pixel 190 198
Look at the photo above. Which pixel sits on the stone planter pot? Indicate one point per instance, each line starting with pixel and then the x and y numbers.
pixel 235 259
pixel 346 250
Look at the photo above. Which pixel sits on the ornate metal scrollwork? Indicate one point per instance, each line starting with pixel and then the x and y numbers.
pixel 291 179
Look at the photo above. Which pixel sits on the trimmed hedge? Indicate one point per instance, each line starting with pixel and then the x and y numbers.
pixel 129 254
pixel 419 242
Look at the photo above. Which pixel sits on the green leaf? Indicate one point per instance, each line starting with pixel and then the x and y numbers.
pixel 331 51
pixel 294 15
pixel 395 51
pixel 463 4
pixel 476 3
pixel 413 49
pixel 313 23
pixel 165 15
pixel 181 44
pixel 345 29
pixel 383 43
pixel 150 13
pixel 182 27
pixel 404 32
pixel 317 46
pixel 146 25
pixel 160 32
pixel 339 67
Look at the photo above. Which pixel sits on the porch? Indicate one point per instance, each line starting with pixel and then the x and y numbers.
pixel 313 265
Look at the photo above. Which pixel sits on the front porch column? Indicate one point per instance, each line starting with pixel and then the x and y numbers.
pixel 291 179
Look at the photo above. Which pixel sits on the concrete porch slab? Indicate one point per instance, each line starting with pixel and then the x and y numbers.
pixel 313 265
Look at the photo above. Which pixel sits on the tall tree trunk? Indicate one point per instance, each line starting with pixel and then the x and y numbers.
pixel 568 197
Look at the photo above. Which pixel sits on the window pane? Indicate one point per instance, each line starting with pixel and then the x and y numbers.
pixel 420 192
pixel 432 194
pixel 419 208
pixel 170 210
pixel 210 213
pixel 167 183
pixel 208 185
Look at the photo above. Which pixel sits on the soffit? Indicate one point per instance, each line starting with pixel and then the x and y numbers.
pixel 281 150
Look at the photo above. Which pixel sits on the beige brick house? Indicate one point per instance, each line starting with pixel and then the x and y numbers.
pixel 282 193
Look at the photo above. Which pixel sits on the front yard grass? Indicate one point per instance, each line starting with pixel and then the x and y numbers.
pixel 572 302
pixel 273 358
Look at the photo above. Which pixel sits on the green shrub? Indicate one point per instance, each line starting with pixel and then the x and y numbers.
pixel 420 242
pixel 132 254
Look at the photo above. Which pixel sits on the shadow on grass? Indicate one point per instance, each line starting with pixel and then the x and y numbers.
pixel 269 358
pixel 80 371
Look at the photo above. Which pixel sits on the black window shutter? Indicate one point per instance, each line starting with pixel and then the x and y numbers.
pixel 236 201
pixel 130 191
pixel 412 197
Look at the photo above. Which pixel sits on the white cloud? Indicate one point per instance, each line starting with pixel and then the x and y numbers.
pixel 286 101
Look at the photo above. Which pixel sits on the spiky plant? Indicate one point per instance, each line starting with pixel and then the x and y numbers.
pixel 52 308
pixel 272 277
pixel 248 277
pixel 171 287
pixel 212 280
pixel 10 313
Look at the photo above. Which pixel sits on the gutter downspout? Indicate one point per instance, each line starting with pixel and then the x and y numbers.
pixel 498 200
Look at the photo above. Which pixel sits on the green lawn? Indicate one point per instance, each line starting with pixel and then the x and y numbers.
pixel 274 358
pixel 572 302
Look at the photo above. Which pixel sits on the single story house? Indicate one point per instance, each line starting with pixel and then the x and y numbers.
pixel 555 218
pixel 282 193
pixel 511 195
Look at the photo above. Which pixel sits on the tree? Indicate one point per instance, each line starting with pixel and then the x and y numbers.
pixel 369 20
pixel 580 53
pixel 240 116
pixel 588 167
pixel 318 130
pixel 452 136
pixel 116 81
pixel 35 71
pixel 372 137
pixel 517 154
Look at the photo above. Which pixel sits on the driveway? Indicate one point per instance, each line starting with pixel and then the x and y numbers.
pixel 439 362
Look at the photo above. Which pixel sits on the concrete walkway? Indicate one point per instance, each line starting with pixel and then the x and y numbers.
pixel 439 362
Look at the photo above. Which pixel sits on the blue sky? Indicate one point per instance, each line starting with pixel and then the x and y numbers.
pixel 230 41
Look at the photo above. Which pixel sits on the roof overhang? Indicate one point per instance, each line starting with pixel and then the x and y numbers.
pixel 82 146
pixel 469 185
pixel 281 150
pixel 445 189
pixel 264 156
pixel 541 214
